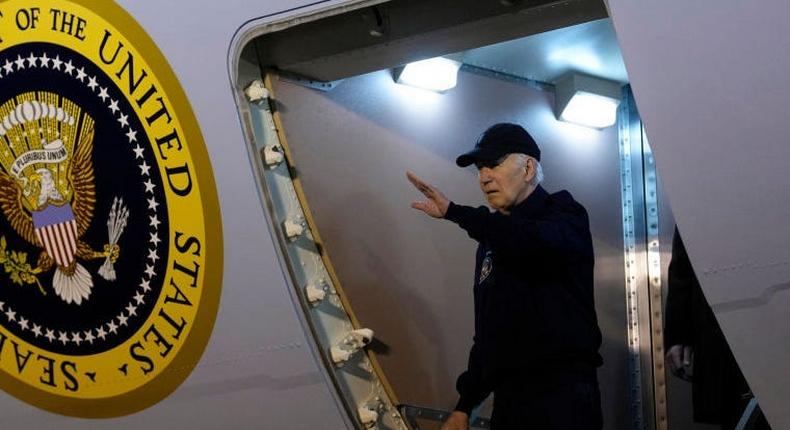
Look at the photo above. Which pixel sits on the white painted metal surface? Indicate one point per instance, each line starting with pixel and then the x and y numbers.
pixel 589 48
pixel 258 370
pixel 710 80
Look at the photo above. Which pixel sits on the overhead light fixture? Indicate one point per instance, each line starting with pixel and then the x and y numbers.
pixel 587 100
pixel 435 74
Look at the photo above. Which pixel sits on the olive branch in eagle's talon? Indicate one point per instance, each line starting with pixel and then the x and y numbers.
pixel 16 265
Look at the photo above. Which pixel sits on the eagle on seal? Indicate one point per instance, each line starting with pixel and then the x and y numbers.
pixel 49 213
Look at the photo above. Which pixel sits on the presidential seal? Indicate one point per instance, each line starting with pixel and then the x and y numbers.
pixel 110 241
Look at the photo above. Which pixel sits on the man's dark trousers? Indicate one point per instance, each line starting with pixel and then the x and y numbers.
pixel 554 400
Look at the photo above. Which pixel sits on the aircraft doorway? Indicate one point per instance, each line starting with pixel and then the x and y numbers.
pixel 330 127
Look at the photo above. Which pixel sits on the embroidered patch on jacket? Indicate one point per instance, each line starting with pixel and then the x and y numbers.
pixel 485 270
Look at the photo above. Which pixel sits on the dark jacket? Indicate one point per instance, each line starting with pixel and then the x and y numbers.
pixel 718 386
pixel 533 292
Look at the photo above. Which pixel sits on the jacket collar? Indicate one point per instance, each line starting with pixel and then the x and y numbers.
pixel 534 201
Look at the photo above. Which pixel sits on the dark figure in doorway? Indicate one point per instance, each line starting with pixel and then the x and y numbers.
pixel 536 332
pixel 698 352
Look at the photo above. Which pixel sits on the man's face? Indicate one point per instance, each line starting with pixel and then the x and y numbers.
pixel 507 183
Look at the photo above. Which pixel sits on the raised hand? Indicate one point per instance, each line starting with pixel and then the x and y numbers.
pixel 436 205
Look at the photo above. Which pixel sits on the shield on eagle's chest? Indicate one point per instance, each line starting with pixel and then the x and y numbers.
pixel 56 230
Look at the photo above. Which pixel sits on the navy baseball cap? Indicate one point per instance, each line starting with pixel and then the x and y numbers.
pixel 498 141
